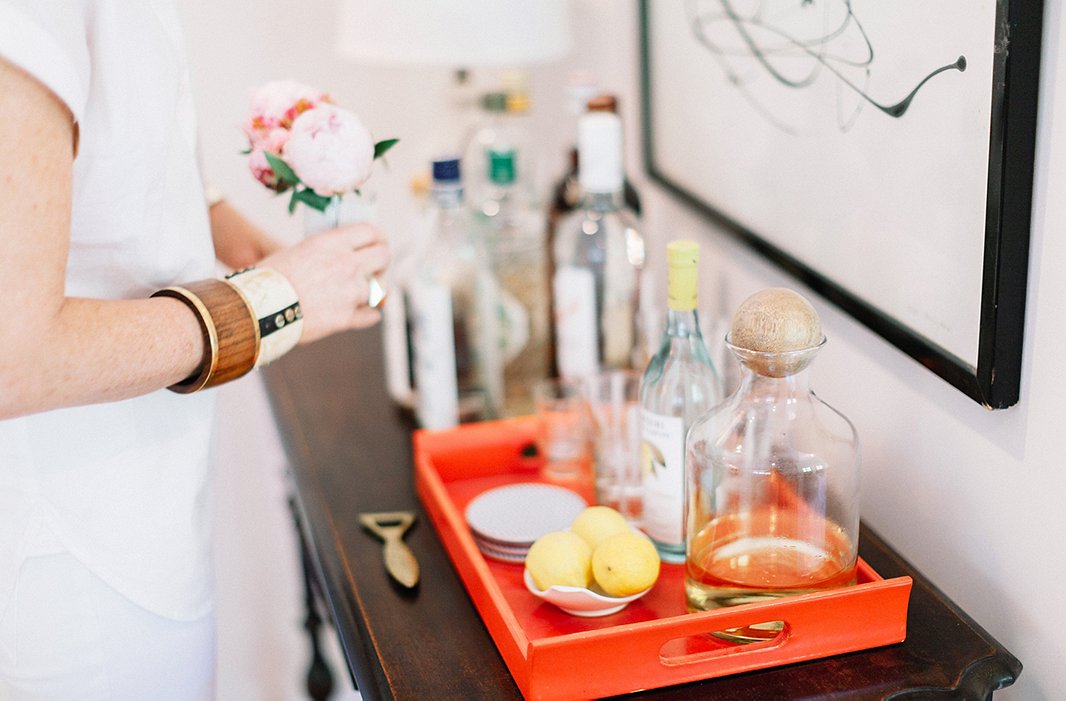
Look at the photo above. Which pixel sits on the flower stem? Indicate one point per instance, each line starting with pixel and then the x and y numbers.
pixel 333 212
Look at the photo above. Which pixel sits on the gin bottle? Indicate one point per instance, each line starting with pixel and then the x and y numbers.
pixel 565 195
pixel 598 261
pixel 680 384
pixel 514 232
pixel 454 300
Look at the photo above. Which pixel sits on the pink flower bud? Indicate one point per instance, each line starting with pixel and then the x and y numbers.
pixel 274 140
pixel 257 163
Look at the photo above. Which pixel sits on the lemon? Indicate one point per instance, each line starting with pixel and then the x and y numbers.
pixel 597 523
pixel 561 558
pixel 625 564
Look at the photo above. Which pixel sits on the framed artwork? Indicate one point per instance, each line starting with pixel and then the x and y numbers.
pixel 880 152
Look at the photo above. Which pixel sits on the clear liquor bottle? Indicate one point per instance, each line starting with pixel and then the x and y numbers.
pixel 599 260
pixel 514 232
pixel 680 384
pixel 489 132
pixel 504 125
pixel 454 304
pixel 565 195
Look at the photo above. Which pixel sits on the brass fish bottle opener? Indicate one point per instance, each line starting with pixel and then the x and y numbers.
pixel 390 526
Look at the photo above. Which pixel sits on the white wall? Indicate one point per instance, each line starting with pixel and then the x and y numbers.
pixel 973 498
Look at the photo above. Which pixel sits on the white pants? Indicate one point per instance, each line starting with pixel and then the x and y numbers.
pixel 77 638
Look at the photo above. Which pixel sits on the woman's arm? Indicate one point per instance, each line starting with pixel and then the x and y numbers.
pixel 238 242
pixel 57 351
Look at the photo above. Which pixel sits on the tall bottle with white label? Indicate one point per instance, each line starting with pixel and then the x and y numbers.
pixel 599 260
pixel 454 300
pixel 680 384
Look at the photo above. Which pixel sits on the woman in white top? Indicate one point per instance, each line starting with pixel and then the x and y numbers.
pixel 105 581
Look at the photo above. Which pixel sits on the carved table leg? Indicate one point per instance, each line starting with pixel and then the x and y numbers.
pixel 319 676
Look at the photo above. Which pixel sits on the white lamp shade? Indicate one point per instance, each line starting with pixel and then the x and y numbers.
pixel 455 33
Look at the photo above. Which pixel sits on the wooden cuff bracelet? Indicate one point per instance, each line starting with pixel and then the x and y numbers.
pixel 247 320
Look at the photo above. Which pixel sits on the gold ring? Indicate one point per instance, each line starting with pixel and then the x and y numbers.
pixel 376 293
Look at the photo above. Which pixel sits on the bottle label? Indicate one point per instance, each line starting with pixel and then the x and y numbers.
pixel 487 338
pixel 575 321
pixel 396 338
pixel 663 468
pixel 618 335
pixel 434 346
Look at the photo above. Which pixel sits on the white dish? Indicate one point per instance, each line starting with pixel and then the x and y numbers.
pixel 497 552
pixel 506 544
pixel 579 601
pixel 502 555
pixel 518 514
pixel 505 549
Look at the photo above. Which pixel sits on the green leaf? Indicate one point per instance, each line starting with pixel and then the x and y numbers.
pixel 382 146
pixel 311 199
pixel 292 201
pixel 281 169
pixel 245 151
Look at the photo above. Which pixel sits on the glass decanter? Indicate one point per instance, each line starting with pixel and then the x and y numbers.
pixel 772 495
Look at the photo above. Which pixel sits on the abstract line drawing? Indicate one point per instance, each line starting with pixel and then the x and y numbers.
pixel 796 44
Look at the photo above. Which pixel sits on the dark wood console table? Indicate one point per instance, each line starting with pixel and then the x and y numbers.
pixel 350 452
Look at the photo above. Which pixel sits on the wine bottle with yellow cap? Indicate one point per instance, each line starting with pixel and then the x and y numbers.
pixel 680 384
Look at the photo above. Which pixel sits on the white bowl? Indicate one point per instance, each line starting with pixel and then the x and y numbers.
pixel 580 601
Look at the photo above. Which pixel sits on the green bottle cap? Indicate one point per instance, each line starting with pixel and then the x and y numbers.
pixel 682 259
pixel 502 166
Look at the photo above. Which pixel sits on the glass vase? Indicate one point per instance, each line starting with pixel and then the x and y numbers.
pixel 349 209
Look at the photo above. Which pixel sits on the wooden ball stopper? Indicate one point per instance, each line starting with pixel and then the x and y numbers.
pixel 776 320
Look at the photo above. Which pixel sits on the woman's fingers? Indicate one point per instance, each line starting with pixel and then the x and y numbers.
pixel 356 236
pixel 373 259
pixel 365 317
pixel 331 272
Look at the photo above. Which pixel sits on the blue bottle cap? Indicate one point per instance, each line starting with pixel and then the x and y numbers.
pixel 446 170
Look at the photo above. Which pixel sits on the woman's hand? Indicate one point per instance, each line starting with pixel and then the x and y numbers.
pixel 331 273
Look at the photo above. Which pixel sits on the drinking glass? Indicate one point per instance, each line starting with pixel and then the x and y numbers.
pixel 614 403
pixel 563 429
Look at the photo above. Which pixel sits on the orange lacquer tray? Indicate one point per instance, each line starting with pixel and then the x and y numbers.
pixel 653 642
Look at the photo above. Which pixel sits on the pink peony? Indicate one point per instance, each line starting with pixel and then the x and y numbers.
pixel 330 150
pixel 276 105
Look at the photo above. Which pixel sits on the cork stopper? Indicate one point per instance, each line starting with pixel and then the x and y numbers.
pixel 776 331
pixel 603 103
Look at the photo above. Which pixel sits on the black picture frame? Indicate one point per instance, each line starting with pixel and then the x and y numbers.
pixel 995 380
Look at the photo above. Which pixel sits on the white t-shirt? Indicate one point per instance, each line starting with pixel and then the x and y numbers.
pixel 122 486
